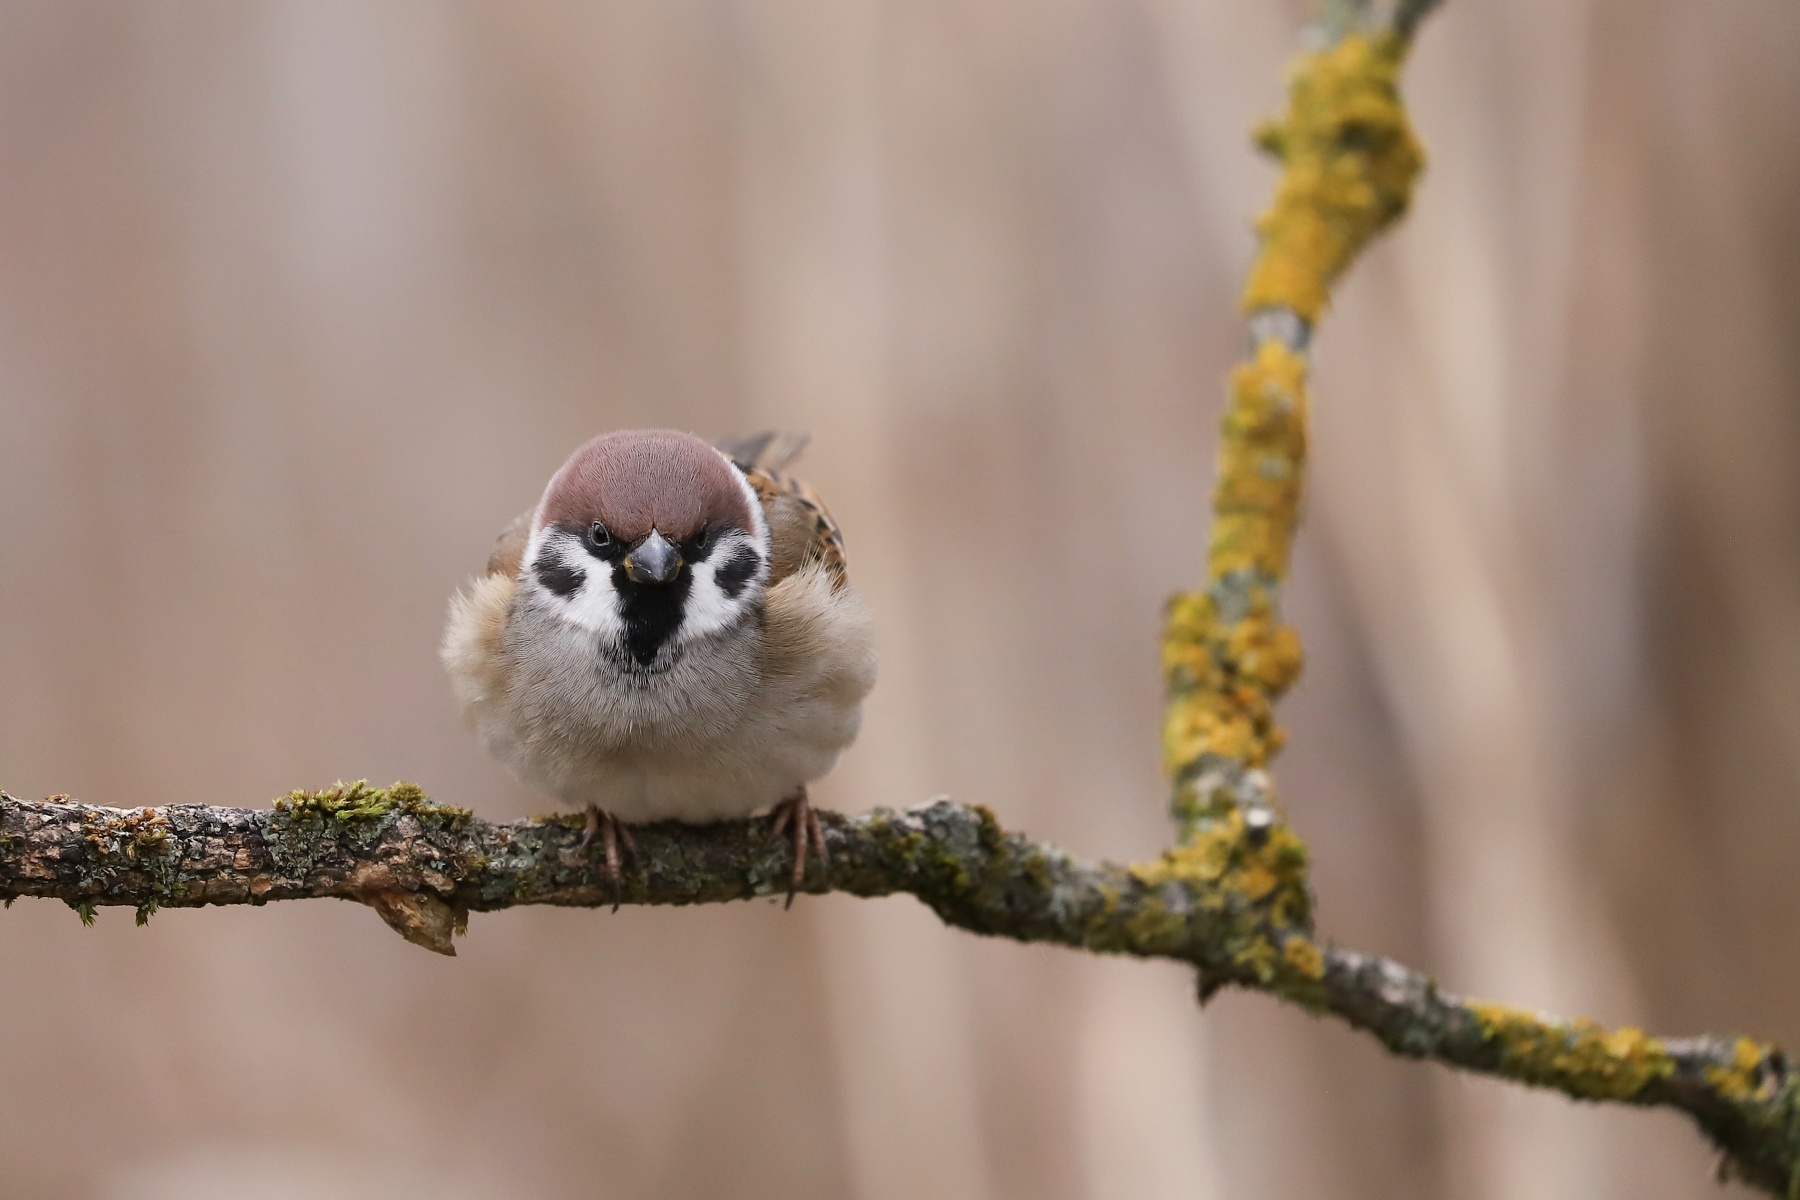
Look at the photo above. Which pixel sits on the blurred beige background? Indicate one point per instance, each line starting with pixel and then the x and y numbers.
pixel 300 302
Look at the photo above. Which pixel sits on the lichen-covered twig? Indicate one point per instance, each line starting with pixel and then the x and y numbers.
pixel 1231 902
pixel 1349 162
pixel 1744 1094
pixel 1349 159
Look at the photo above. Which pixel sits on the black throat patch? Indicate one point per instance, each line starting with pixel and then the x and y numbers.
pixel 651 611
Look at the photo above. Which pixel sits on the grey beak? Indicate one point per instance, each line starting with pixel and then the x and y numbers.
pixel 655 560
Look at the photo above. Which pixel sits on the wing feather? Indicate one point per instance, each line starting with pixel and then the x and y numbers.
pixel 801 528
pixel 509 547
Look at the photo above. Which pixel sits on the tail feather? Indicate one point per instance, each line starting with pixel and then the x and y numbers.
pixel 769 449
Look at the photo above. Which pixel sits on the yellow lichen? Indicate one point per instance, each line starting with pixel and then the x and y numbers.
pixel 1256 881
pixel 1743 1080
pixel 1223 679
pixel 1258 957
pixel 1350 159
pixel 1224 675
pixel 1579 1057
pixel 1262 452
pixel 1304 958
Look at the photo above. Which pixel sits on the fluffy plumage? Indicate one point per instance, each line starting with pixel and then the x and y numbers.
pixel 723 689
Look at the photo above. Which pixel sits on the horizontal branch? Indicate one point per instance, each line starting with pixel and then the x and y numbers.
pixel 1232 904
pixel 1745 1095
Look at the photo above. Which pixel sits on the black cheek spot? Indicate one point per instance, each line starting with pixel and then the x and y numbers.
pixel 558 576
pixel 735 572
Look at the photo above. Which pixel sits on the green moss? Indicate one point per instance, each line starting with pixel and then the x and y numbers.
pixel 307 826
pixel 85 910
pixel 1156 924
pixel 941 863
pixel 910 843
pixel 1034 867
pixel 948 872
pixel 141 837
pixel 351 802
pixel 141 833
pixel 988 833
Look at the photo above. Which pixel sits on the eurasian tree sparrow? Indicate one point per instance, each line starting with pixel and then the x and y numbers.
pixel 669 634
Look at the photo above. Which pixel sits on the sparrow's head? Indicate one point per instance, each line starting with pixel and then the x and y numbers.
pixel 651 539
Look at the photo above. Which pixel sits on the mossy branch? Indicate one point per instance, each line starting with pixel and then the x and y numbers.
pixel 1232 903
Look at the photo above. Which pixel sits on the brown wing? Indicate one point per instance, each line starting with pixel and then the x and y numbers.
pixel 509 547
pixel 801 528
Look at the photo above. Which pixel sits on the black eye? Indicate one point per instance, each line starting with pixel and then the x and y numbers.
pixel 597 536
pixel 700 538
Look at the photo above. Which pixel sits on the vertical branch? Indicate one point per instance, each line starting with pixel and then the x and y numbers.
pixel 1349 160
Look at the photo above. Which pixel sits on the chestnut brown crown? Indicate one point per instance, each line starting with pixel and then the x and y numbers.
pixel 636 480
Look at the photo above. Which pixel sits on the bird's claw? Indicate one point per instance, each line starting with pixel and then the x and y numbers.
pixel 612 832
pixel 796 818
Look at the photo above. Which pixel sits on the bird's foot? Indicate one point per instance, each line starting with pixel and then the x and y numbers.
pixel 795 818
pixel 612 832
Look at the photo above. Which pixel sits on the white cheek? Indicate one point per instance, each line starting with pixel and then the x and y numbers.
pixel 594 606
pixel 708 608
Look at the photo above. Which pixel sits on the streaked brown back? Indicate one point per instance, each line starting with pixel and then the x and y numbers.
pixel 801 528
